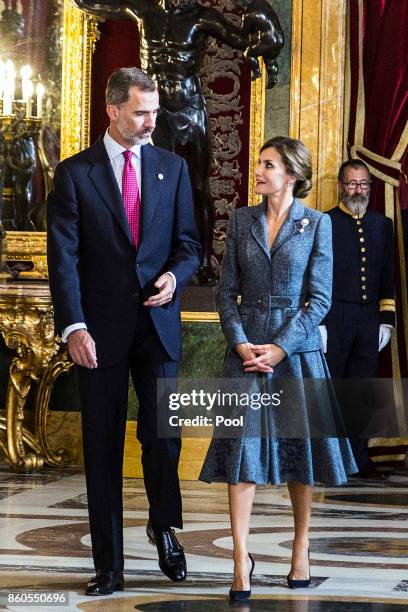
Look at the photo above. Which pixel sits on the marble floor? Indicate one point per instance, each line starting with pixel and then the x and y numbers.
pixel 359 546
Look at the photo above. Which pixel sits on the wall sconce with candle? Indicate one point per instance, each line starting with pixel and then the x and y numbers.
pixel 10 83
pixel 30 112
pixel 20 129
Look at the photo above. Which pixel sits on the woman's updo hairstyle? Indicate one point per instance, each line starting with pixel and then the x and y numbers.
pixel 297 161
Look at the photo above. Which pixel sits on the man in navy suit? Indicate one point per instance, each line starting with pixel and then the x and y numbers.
pixel 122 243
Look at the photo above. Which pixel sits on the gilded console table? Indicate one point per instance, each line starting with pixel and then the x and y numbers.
pixel 26 325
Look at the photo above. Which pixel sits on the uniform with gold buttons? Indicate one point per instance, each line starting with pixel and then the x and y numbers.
pixel 363 267
pixel 363 297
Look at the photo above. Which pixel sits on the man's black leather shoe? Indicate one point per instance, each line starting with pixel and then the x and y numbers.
pixel 105 582
pixel 172 561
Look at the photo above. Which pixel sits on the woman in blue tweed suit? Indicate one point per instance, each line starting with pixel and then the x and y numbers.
pixel 279 259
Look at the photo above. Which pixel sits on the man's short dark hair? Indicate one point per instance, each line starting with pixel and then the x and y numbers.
pixel 120 81
pixel 351 163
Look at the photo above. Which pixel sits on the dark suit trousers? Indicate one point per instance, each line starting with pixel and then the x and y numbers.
pixel 352 352
pixel 104 394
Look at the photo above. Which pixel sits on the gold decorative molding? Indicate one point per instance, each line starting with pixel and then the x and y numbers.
pixel 80 33
pixel 256 131
pixel 72 78
pixel 295 69
pixel 347 87
pixel 317 90
pixel 26 324
pixel 200 317
pixel 28 247
pixel 90 36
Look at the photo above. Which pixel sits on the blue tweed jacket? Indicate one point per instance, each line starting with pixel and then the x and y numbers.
pixel 286 291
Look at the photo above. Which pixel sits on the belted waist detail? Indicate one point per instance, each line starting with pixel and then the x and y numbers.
pixel 266 302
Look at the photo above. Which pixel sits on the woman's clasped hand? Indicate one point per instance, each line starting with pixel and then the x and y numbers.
pixel 259 357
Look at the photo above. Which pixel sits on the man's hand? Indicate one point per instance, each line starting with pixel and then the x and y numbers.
pixel 81 347
pixel 165 285
pixel 266 356
pixel 384 336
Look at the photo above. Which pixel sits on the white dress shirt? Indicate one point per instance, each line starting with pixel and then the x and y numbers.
pixel 115 153
pixel 117 160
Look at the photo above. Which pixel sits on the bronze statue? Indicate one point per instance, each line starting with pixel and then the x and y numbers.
pixel 2 241
pixel 3 265
pixel 2 171
pixel 173 39
pixel 21 160
pixel 260 23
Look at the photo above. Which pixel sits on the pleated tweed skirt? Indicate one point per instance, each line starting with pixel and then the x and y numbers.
pixel 264 459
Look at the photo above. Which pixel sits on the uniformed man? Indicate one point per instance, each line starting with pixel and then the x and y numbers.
pixel 362 315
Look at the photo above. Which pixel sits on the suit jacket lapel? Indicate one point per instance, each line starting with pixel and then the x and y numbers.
pixel 259 228
pixel 290 226
pixel 104 181
pixel 151 183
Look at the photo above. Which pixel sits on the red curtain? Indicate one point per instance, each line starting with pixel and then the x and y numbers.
pixel 385 74
pixel 379 71
pixel 39 15
pixel 385 61
pixel 118 46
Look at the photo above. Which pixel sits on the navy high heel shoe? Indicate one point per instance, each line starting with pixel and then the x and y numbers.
pixel 300 584
pixel 240 595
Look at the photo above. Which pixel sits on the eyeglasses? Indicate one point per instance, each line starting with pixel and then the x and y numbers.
pixel 364 185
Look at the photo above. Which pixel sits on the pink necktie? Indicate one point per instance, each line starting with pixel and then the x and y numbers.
pixel 131 196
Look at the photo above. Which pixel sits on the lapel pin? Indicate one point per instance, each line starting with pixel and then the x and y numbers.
pixel 160 176
pixel 303 223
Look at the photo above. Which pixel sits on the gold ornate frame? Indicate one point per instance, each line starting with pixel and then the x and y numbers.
pixel 79 35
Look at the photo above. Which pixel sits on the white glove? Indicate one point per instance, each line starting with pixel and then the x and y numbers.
pixel 323 333
pixel 384 336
